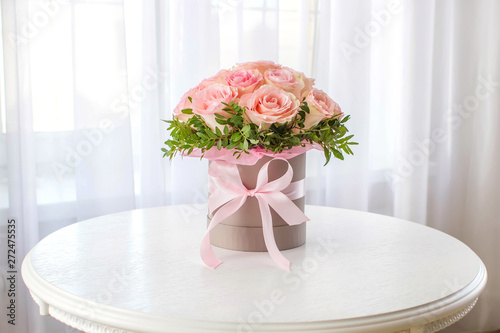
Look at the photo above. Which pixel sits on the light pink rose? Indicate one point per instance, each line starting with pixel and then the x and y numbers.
pixel 283 78
pixel 208 102
pixel 185 104
pixel 262 65
pixel 290 80
pixel 321 106
pixel 268 105
pixel 246 80
pixel 304 83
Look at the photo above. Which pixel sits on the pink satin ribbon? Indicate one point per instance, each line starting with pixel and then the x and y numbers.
pixel 228 194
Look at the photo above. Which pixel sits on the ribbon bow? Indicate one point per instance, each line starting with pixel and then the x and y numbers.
pixel 229 194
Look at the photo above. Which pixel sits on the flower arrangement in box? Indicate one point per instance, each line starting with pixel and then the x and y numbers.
pixel 254 123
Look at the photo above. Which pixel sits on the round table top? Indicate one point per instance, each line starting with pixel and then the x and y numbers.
pixel 141 271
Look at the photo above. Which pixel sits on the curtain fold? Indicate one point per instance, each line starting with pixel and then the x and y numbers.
pixel 464 187
pixel 410 193
pixel 20 150
pixel 87 83
pixel 102 102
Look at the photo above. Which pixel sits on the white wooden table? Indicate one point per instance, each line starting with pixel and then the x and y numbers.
pixel 141 271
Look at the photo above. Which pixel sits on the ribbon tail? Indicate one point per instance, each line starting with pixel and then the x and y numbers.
pixel 207 253
pixel 267 229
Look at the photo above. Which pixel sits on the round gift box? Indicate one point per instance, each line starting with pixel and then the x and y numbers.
pixel 242 231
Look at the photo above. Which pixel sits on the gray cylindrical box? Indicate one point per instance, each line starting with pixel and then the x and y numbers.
pixel 242 231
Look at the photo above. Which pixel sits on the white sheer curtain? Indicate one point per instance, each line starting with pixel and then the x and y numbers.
pixel 84 84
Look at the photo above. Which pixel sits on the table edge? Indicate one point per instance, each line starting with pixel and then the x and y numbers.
pixel 96 317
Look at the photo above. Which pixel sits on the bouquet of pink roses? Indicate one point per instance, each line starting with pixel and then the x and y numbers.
pixel 254 122
pixel 257 107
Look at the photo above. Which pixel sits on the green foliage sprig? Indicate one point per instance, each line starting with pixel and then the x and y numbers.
pixel 241 135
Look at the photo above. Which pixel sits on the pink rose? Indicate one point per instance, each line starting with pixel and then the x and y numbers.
pixel 208 102
pixel 305 83
pixel 290 80
pixel 321 106
pixel 246 80
pixel 261 66
pixel 268 105
pixel 283 78
pixel 185 104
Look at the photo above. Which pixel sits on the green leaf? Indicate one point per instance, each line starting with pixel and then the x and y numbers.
pixel 210 144
pixel 210 133
pixel 327 154
pixel 348 137
pixel 187 111
pixel 236 137
pixel 337 154
pixel 219 144
pixel 232 145
pixel 202 135
pixel 305 107
pixel 246 130
pixel 190 99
